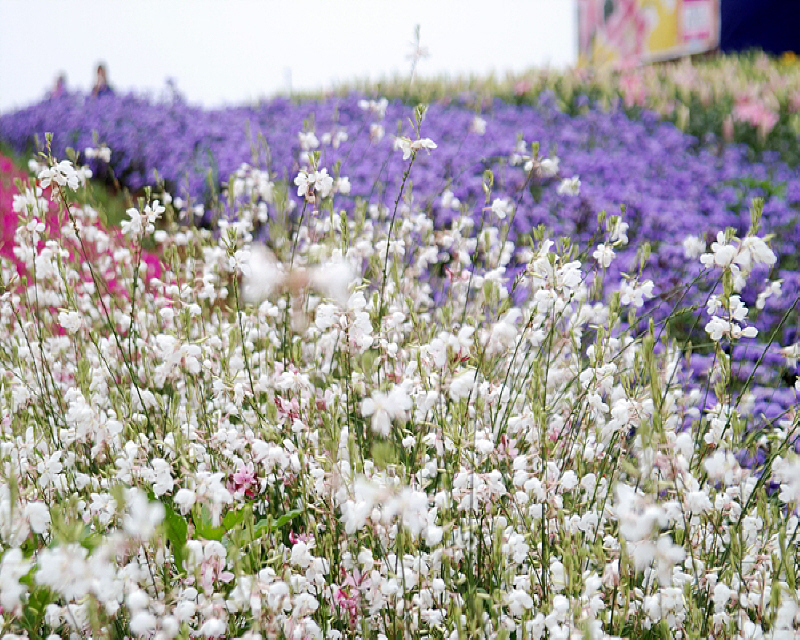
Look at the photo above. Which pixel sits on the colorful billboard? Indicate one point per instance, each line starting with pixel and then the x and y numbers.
pixel 633 31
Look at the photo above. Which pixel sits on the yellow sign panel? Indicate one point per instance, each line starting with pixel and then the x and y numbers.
pixel 634 31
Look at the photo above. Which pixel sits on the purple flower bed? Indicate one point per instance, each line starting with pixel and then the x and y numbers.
pixel 669 189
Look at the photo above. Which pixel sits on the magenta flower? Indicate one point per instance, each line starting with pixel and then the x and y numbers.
pixel 244 481
pixel 348 595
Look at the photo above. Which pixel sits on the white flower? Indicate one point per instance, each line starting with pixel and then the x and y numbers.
pixel 333 280
pixel 714 304
pixel 308 140
pixel 569 480
pixel 738 310
pixel 569 186
pixel 376 132
pixel 433 535
pixel 185 499
pixel 504 333
pixel 301 554
pixel 738 332
pixel 717 327
pixel 63 174
pixel 133 226
pixel 635 294
pixel 787 472
pixel 384 408
pixel 501 207
pixel 70 320
pixel 213 628
pixel 604 254
pixel 478 125
pixel 412 508
pixel 518 602
pixel 462 385
pixel 792 354
pixel 376 107
pixel 142 517
pixel 140 223
pixel 412 146
pixel 38 516
pixel 722 466
pixel 316 181
pixel 152 212
pixel 323 183
pixel 305 184
pixel 12 567
pixel 30 201
pixel 163 482
pixel 174 355
pixel 638 517
pixel 143 623
pixel 548 168
pixel 343 185
pixel 335 138
pixel 772 289
pixel 262 274
pixel 693 247
pixel 63 568
pixel 752 251
pixel 103 153
pixel 618 230
pixel 698 502
pixel 722 254
pixel 449 200
pixel 722 596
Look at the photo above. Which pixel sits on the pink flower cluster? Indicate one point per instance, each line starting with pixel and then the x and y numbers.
pixel 757 113
pixel 54 222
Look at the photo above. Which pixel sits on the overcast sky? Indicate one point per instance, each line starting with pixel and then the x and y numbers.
pixel 230 52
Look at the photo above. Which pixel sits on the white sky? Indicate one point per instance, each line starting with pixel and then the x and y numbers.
pixel 230 52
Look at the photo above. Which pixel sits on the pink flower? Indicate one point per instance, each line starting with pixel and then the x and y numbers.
pixel 294 538
pixel 244 481
pixel 755 112
pixel 348 595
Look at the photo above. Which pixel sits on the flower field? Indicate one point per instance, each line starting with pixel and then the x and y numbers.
pixel 354 367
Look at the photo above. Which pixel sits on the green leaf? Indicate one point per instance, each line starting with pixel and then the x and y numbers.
pixel 286 518
pixel 260 527
pixel 206 530
pixel 34 609
pixel 176 534
pixel 267 524
pixel 233 518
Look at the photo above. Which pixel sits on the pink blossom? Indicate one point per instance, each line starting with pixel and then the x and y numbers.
pixel 756 113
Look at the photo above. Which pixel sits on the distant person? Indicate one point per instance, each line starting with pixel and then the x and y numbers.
pixel 101 86
pixel 60 87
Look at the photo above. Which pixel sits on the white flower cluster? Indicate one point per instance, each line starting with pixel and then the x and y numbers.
pixel 737 259
pixel 311 183
pixel 406 442
pixel 141 223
